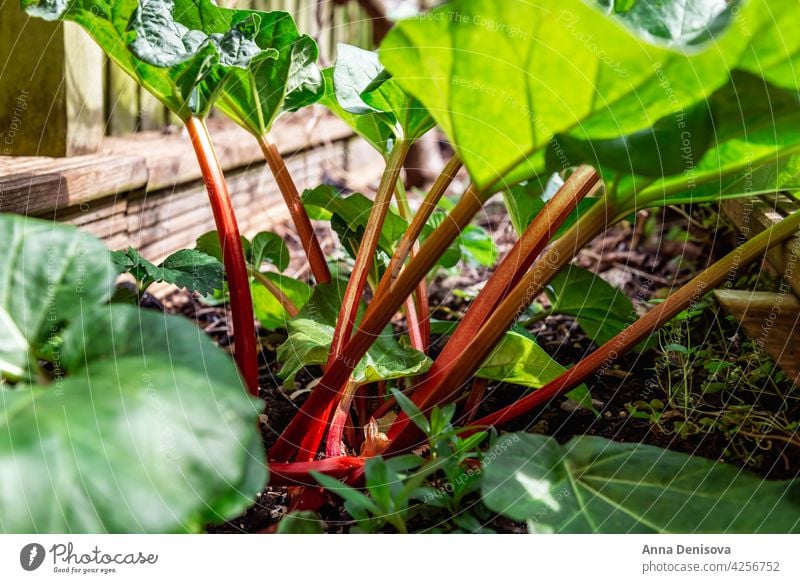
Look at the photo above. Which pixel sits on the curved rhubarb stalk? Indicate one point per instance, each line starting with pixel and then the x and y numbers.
pixel 333 445
pixel 417 309
pixel 366 250
pixel 411 236
pixel 627 339
pixel 307 427
pixel 438 385
pixel 299 473
pixel 233 256
pixel 302 223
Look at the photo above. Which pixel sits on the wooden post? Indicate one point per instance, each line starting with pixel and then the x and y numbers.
pixel 122 102
pixel 51 103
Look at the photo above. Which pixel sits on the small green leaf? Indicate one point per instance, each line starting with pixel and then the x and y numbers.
pixel 324 202
pixel 188 268
pixel 369 126
pixel 519 360
pixel 268 310
pixel 412 411
pixel 209 244
pixel 270 247
pixel 192 270
pixel 362 87
pixel 525 200
pixel 359 505
pixel 593 485
pixel 300 522
pixel 601 310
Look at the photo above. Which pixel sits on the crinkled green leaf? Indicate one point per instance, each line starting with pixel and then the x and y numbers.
pixel 675 22
pixel 311 332
pixel 52 273
pixel 488 73
pixel 601 310
pixel 271 87
pixel 188 268
pixel 593 485
pixel 361 88
pixel 368 125
pixel 187 51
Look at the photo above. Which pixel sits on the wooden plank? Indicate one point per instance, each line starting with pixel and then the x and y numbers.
pixel 753 215
pixel 51 184
pixel 771 320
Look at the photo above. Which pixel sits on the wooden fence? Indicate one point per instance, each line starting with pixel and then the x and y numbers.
pixel 60 96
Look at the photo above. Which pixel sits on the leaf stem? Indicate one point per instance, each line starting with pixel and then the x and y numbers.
pixel 277 292
pixel 682 299
pixel 346 320
pixel 334 446
pixel 317 407
pixel 441 384
pixel 302 223
pixel 299 473
pixel 366 250
pixel 411 236
pixel 233 255
pixel 417 309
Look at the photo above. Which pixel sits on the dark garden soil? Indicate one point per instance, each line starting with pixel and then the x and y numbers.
pixel 645 259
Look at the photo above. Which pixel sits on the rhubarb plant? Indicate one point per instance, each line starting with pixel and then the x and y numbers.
pixel 644 104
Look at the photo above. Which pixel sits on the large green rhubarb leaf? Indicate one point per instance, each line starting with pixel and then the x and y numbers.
pixel 115 419
pixel 503 78
pixel 181 51
pixel 593 485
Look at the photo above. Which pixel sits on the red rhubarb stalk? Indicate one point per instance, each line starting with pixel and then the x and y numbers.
pixel 417 309
pixel 233 255
pixel 366 250
pixel 309 440
pixel 411 236
pixel 474 399
pixel 438 386
pixel 334 446
pixel 307 427
pixel 302 223
pixel 299 473
pixel 682 299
